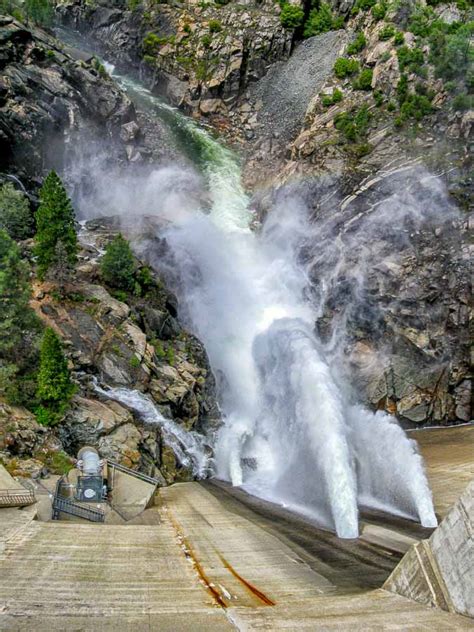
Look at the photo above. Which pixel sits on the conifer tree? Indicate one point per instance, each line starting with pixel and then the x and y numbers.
pixel 55 387
pixel 19 325
pixel 61 270
pixel 54 222
pixel 118 264
pixel 16 316
pixel 15 215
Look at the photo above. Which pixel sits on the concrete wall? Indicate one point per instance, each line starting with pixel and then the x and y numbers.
pixel 440 571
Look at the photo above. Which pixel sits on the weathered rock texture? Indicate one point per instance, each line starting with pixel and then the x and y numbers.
pixel 139 345
pixel 438 571
pixel 52 98
pixel 202 57
pixel 26 448
pixel 389 267
pixel 319 147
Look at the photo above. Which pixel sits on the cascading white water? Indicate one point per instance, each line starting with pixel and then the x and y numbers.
pixel 290 432
pixel 190 448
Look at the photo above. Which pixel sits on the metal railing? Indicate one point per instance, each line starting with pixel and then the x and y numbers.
pixel 62 505
pixel 127 470
pixel 16 497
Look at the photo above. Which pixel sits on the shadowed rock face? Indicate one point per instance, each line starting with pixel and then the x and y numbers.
pixel 197 65
pixel 389 267
pixel 48 96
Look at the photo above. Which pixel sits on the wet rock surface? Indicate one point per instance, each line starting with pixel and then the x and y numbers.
pixel 389 267
pixel 134 342
pixel 51 92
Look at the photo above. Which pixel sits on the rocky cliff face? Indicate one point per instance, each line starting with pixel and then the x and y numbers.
pixel 60 109
pixel 50 92
pixel 201 56
pixel 388 257
pixel 52 98
pixel 138 344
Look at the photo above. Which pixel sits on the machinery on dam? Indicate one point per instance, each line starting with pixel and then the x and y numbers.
pixel 98 486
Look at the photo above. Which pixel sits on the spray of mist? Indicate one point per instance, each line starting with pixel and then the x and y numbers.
pixel 291 431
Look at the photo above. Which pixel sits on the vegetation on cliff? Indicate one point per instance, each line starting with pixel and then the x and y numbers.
pixel 55 387
pixel 19 326
pixel 117 266
pixel 15 214
pixel 54 226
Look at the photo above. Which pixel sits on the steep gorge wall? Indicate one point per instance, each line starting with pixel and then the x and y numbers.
pixel 58 109
pixel 404 308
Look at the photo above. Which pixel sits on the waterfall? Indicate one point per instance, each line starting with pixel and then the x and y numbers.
pixel 291 433
pixel 190 448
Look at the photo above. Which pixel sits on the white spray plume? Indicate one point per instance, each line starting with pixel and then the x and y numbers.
pixel 291 433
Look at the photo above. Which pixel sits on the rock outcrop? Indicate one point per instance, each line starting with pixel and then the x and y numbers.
pixel 51 98
pixel 139 345
pixel 200 56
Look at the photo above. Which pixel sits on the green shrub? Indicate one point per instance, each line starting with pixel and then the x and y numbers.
pixel 357 45
pixel 361 149
pixel 56 462
pixel 364 80
pixel 291 16
pixel 399 38
pixel 353 125
pixel 39 11
pixel 345 67
pixel 402 89
pixel 170 356
pixel 120 295
pixel 152 43
pixel 463 101
pixel 387 32
pixel 379 11
pixel 133 4
pixel 330 99
pixel 321 20
pixel 134 362
pixel 378 98
pixel 410 58
pixel 144 277
pixel 117 266
pixel 15 214
pixel 453 54
pixel 415 106
pixel 19 326
pixel 215 26
pixel 362 5
pixel 206 40
pixel 422 20
pixel 54 223
pixel 97 65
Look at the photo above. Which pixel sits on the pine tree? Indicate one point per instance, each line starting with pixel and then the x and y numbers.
pixel 15 215
pixel 54 222
pixel 118 265
pixel 61 270
pixel 16 316
pixel 19 326
pixel 55 387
